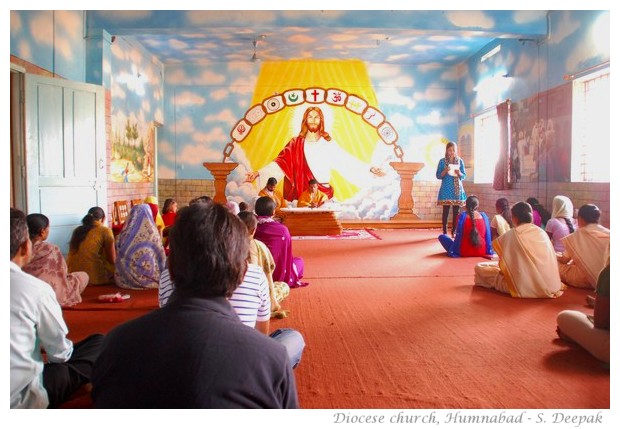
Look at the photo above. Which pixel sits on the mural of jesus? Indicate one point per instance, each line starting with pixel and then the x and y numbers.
pixel 313 154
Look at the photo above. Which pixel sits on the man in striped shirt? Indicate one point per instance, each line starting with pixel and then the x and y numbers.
pixel 252 304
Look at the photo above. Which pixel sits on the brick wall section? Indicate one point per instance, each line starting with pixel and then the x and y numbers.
pixel 425 194
pixel 31 68
pixel 184 190
pixel 425 199
pixel 579 193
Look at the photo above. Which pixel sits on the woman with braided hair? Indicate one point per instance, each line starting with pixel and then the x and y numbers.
pixel 502 221
pixel 451 172
pixel 541 214
pixel 562 221
pixel 473 232
pixel 91 248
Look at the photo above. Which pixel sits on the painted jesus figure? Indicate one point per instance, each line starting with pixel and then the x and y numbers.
pixel 313 155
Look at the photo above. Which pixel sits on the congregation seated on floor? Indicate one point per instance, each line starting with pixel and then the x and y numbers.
pixel 245 368
pixel 513 274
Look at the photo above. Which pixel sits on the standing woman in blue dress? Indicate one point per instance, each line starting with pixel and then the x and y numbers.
pixel 451 172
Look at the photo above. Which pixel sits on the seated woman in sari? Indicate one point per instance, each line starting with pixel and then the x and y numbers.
pixel 540 214
pixel 502 221
pixel 561 223
pixel 140 254
pixel 473 232
pixel 48 264
pixel 277 238
pixel 91 248
pixel 159 221
pixel 261 255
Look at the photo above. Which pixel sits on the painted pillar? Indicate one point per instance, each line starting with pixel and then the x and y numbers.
pixel 406 171
pixel 220 171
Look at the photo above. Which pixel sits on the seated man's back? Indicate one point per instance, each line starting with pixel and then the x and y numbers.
pixel 586 249
pixel 527 265
pixel 193 353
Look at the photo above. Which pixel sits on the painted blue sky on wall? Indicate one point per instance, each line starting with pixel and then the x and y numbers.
pixel 424 66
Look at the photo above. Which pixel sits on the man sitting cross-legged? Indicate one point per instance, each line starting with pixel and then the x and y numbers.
pixel 527 265
pixel 37 323
pixel 585 253
pixel 312 197
pixel 195 352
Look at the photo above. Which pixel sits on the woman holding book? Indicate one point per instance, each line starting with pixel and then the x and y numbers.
pixel 451 172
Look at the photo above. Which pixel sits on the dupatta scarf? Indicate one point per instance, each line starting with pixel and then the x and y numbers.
pixel 140 257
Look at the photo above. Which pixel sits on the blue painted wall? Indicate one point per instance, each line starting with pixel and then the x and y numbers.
pixel 52 40
pixel 577 40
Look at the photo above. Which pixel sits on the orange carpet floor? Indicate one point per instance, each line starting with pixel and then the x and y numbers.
pixel 394 323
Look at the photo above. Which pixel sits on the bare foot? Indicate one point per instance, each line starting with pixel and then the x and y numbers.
pixel 563 336
pixel 280 314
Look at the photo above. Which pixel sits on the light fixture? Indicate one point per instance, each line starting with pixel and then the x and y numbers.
pixel 254 56
pixel 489 54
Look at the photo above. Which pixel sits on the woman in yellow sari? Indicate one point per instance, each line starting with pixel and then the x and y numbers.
pixel 91 248
pixel 159 221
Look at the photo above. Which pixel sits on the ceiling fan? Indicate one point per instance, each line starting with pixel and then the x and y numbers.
pixel 254 57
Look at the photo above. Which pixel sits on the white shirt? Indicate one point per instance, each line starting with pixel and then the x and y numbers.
pixel 36 322
pixel 250 300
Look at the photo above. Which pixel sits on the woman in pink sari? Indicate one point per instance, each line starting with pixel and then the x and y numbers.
pixel 277 238
pixel 48 264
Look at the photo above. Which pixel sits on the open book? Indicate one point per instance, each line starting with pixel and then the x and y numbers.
pixel 453 168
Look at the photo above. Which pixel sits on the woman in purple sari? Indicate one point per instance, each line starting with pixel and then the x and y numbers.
pixel 277 238
pixel 140 255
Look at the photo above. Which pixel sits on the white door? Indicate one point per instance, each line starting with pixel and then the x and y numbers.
pixel 65 152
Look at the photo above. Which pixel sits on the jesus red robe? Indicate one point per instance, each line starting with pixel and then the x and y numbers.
pixel 292 161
